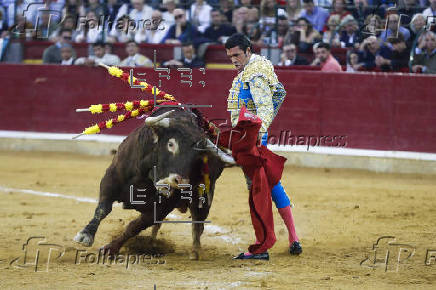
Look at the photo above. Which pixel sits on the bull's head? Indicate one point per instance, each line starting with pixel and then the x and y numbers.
pixel 180 148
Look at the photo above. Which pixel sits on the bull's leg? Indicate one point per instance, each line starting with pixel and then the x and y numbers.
pixel 198 214
pixel 155 230
pixel 86 236
pixel 133 228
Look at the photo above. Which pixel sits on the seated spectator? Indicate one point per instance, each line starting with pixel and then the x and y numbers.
pixel 67 23
pixel 350 35
pixel 123 30
pixel 137 11
pixel 218 31
pixel 353 64
pixel 183 31
pixel 112 8
pixel 67 54
pixel 430 13
pixel 253 32
pixel 90 31
pixel 226 6
pixel 291 57
pixel 267 16
pixel 416 25
pixel 331 35
pixel 325 59
pixel 394 29
pixel 158 29
pixel 315 15
pixel 399 60
pixel 189 58
pixel 293 8
pixel 373 25
pixel 52 54
pixel 134 58
pixel 426 61
pixel 408 8
pixel 168 16
pixel 339 9
pixel 282 29
pixel 96 7
pixel 200 15
pixel 108 47
pixel 75 8
pixel 240 18
pixel 46 26
pixel 303 35
pixel 100 56
pixel 370 49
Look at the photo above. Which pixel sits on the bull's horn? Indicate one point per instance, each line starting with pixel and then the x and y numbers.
pixel 160 120
pixel 226 158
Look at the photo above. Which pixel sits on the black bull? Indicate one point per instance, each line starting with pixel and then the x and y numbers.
pixel 165 150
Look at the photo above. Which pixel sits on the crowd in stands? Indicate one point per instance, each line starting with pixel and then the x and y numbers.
pixel 379 35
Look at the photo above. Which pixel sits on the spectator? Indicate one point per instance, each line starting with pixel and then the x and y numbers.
pixel 426 61
pixel 316 15
pixel 226 8
pixel 350 36
pixel 303 35
pixel 189 58
pixel 370 49
pixel 74 8
pixel 407 9
pixel 100 56
pixel 394 28
pixel 138 13
pixel 123 30
pixel 113 6
pixel 52 54
pixel 293 8
pixel 183 31
pixel 282 29
pixel 361 10
pixel 339 9
pixel 324 58
pixel 416 25
pixel 156 32
pixel 331 35
pixel 399 60
pixel 67 54
pixel 430 13
pixel 168 15
pixel 253 32
pixel 353 64
pixel 291 57
pixel 134 58
pixel 69 22
pixel 373 25
pixel 267 16
pixel 46 26
pixel 96 7
pixel 200 15
pixel 218 31
pixel 108 47
pixel 90 32
pixel 240 18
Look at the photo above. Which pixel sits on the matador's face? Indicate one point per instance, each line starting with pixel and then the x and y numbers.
pixel 238 57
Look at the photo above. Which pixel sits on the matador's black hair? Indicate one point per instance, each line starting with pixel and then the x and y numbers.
pixel 238 39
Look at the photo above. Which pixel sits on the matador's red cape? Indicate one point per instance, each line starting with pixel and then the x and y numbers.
pixel 263 167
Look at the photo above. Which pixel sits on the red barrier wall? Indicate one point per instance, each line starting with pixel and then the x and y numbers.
pixel 373 111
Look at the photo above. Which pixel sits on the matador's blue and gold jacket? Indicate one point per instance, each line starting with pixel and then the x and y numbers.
pixel 258 88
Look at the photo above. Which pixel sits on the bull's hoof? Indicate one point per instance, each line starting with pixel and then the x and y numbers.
pixel 194 255
pixel 84 238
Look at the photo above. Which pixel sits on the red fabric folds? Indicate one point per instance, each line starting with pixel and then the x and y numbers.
pixel 263 167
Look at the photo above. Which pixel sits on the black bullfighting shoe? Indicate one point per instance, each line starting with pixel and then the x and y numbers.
pixel 261 256
pixel 295 248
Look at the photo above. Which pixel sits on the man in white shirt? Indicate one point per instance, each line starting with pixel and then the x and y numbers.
pixel 430 13
pixel 134 58
pixel 168 15
pixel 200 15
pixel 100 56
pixel 157 30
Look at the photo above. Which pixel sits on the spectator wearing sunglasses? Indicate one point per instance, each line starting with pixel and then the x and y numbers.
pixel 183 31
pixel 52 54
pixel 290 56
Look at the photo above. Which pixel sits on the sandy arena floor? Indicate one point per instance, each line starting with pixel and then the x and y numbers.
pixel 339 214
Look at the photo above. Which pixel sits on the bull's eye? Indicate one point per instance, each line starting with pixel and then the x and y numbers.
pixel 172 146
